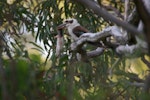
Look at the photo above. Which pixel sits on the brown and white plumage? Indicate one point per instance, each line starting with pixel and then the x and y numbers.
pixel 79 30
pixel 75 30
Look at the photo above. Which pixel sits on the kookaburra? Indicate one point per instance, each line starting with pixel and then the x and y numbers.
pixel 75 30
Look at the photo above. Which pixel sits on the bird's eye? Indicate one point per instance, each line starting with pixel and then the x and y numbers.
pixel 71 21
pixel 66 21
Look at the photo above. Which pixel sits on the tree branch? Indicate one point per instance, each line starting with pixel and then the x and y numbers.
pixel 97 37
pixel 119 44
pixel 126 10
pixel 137 84
pixel 91 37
pixel 145 61
pixel 145 16
pixel 108 17
pixel 95 52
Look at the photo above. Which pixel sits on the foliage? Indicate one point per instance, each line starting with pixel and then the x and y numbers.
pixel 22 75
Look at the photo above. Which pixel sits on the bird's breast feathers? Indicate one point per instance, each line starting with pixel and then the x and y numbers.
pixel 73 36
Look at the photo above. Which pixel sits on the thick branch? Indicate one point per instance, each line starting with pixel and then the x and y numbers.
pixel 95 53
pixel 126 49
pixel 97 37
pixel 91 37
pixel 118 44
pixel 145 16
pixel 82 55
pixel 103 13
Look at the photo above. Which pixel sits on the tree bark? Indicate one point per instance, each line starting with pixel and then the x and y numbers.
pixel 145 17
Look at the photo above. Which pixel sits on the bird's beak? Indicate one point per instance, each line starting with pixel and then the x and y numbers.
pixel 61 26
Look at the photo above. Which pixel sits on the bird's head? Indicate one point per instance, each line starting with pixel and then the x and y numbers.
pixel 71 22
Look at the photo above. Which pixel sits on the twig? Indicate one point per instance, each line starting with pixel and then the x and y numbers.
pixel 133 16
pixel 111 69
pixel 126 10
pixel 137 84
pixel 145 61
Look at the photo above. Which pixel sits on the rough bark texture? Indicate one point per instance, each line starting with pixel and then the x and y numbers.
pixel 145 17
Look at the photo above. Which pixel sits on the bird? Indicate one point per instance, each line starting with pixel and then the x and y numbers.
pixel 74 28
pixel 76 31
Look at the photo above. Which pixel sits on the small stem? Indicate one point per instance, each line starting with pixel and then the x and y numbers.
pixel 126 10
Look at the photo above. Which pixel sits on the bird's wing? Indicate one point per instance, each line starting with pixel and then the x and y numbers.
pixel 79 30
